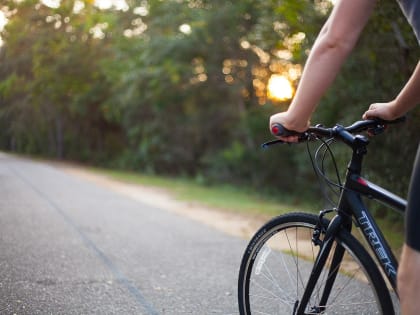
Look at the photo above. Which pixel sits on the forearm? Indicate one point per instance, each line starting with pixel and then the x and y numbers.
pixel 335 42
pixel 406 100
pixel 410 94
pixel 333 45
pixel 322 67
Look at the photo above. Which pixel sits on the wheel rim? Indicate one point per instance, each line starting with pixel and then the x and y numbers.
pixel 279 269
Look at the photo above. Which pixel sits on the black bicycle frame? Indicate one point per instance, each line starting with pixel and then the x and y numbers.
pixel 359 186
pixel 351 205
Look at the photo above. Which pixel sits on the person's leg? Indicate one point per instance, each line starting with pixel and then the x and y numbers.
pixel 408 280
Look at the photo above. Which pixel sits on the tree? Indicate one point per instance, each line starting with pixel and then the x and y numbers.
pixel 61 86
pixel 180 86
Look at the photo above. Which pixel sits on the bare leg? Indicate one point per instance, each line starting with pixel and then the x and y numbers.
pixel 408 278
pixel 408 281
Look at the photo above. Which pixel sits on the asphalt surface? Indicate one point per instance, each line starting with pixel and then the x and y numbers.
pixel 69 246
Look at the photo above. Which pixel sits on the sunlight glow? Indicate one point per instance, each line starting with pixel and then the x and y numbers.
pixel 108 4
pixel 142 11
pixel 98 31
pixel 101 4
pixel 3 22
pixel 51 3
pixel 185 28
pixel 279 88
pixel 78 6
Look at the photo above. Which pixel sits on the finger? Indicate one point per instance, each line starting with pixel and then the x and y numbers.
pixel 290 139
pixel 372 108
pixel 369 113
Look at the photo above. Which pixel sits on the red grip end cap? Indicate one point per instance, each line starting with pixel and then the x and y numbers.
pixel 275 130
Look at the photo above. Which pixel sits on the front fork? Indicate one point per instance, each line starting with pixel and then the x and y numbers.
pixel 324 251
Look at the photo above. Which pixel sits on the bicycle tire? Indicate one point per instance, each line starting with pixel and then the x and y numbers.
pixel 358 289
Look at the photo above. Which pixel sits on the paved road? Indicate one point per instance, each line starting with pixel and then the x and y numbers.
pixel 68 246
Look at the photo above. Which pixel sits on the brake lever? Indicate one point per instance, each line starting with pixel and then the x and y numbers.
pixel 266 145
pixel 302 138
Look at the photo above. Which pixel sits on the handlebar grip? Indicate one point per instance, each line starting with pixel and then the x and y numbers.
pixel 279 130
pixel 396 121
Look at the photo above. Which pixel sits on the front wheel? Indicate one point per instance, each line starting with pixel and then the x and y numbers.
pixel 278 261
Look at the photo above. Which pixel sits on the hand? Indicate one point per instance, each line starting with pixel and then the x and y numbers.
pixel 385 111
pixel 286 120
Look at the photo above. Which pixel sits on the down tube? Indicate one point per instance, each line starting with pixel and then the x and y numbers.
pixel 374 237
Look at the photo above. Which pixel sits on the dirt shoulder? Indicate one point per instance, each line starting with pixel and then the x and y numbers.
pixel 234 224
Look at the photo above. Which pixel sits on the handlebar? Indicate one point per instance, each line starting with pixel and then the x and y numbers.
pixel 345 134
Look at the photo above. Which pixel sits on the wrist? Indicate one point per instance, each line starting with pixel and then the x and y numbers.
pixel 296 122
pixel 398 107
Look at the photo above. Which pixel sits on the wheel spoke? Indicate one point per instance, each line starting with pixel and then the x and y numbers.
pixel 274 274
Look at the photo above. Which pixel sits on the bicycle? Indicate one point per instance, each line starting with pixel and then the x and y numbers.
pixel 327 269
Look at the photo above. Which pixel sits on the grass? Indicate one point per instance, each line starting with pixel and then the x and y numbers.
pixel 224 196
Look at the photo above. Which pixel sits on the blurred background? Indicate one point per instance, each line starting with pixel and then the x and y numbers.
pixel 184 88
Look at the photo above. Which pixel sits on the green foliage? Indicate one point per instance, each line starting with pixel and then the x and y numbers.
pixel 57 107
pixel 176 87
